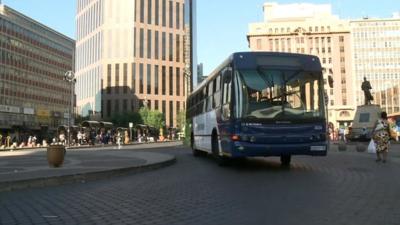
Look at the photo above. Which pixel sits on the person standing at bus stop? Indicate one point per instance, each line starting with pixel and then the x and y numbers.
pixel 381 138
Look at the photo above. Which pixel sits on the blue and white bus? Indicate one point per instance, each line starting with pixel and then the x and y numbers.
pixel 260 104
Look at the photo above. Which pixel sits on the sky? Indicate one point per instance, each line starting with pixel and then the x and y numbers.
pixel 222 25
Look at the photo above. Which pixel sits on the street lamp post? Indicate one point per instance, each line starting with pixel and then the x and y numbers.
pixel 69 76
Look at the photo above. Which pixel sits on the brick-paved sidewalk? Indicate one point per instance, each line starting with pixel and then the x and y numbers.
pixel 29 168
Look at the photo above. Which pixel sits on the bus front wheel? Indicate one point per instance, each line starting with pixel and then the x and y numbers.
pixel 285 160
pixel 221 160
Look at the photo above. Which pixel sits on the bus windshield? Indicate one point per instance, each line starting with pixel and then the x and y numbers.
pixel 279 94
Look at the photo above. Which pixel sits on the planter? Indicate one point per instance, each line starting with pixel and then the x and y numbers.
pixel 55 155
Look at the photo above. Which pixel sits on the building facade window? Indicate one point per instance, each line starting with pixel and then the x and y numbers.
pixel 156 45
pixel 125 105
pixel 171 47
pixel 171 14
pixel 177 15
pixel 149 8
pixel 156 86
pixel 156 14
pixel 133 75
pixel 171 114
pixel 125 72
pixel 116 106
pixel 109 79
pixel 148 79
pixel 178 79
pixel 141 78
pixel 164 110
pixel 164 13
pixel 149 44
pixel 141 43
pixel 156 105
pixel 142 11
pixel 178 48
pixel 171 81
pixel 134 42
pixel 116 78
pixel 163 80
pixel 163 46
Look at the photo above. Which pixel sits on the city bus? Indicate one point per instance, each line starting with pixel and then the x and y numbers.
pixel 260 104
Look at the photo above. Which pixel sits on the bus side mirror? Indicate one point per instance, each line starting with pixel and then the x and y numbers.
pixel 330 81
pixel 227 76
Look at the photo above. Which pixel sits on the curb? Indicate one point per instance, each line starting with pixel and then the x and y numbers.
pixel 82 177
pixel 87 146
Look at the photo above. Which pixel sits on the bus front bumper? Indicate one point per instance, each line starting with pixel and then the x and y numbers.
pixel 246 149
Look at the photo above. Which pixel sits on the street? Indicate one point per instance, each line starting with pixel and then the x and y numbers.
pixel 343 188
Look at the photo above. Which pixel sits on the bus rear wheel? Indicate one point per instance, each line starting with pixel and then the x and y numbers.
pixel 221 160
pixel 285 160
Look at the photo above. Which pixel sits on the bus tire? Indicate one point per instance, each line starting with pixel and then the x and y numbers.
pixel 221 160
pixel 195 152
pixel 285 160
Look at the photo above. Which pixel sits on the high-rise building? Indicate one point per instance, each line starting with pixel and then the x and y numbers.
pixel 191 43
pixel 376 56
pixel 33 60
pixel 312 29
pixel 129 53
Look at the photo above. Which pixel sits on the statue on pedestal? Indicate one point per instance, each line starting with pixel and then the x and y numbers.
pixel 366 87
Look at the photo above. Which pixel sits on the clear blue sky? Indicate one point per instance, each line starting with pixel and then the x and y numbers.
pixel 222 24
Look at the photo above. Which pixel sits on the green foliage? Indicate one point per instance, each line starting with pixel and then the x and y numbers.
pixel 181 120
pixel 152 118
pixel 123 119
pixel 187 130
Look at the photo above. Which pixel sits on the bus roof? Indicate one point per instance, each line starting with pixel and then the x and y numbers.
pixel 249 60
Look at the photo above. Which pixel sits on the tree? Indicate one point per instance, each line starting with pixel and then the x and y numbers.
pixel 123 119
pixel 181 120
pixel 152 118
pixel 155 119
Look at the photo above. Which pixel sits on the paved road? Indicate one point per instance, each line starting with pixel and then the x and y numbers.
pixel 343 188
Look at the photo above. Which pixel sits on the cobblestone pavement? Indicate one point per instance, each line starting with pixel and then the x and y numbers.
pixel 342 188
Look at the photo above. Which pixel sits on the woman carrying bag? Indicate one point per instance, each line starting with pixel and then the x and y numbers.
pixel 381 137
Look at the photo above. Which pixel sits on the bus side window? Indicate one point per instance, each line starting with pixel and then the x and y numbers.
pixel 204 99
pixel 210 102
pixel 226 88
pixel 226 93
pixel 217 92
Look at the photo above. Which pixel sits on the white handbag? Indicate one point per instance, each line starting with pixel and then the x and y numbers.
pixel 371 147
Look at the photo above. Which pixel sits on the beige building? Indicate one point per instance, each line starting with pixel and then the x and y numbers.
pixel 376 56
pixel 312 29
pixel 130 53
pixel 34 98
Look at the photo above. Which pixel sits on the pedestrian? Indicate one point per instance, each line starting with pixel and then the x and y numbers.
pixel 341 134
pixel 62 138
pixel 79 137
pixel 381 138
pixel 119 139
